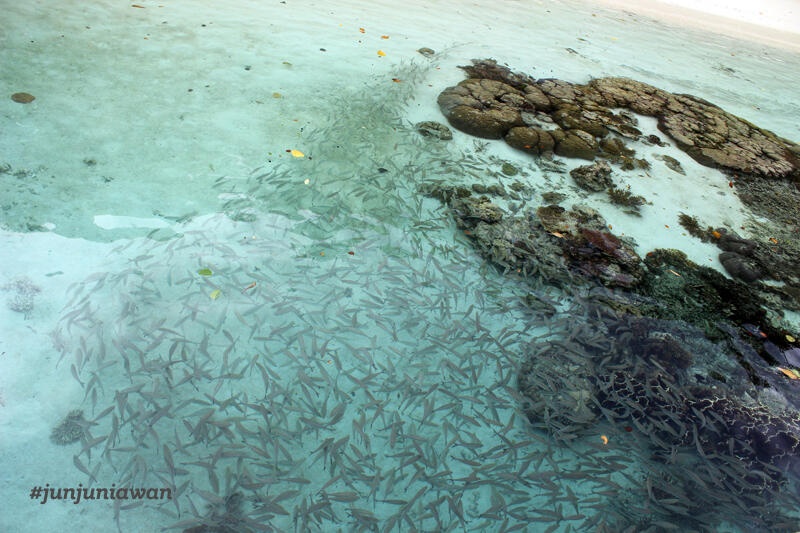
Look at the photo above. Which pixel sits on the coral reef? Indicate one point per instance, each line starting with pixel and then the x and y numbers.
pixel 547 116
pixel 491 104
pixel 653 379
pixel 70 429
pixel 568 248
pixel 23 293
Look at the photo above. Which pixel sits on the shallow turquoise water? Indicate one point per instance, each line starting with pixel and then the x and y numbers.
pixel 302 343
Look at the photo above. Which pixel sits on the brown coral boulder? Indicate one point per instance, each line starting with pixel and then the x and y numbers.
pixel 524 138
pixel 493 100
pixel 578 144
pixel 484 108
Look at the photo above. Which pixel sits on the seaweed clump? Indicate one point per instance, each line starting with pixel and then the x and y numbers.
pixel 70 429
pixel 626 198
pixel 692 226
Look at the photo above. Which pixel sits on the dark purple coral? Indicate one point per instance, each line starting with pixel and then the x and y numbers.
pixel 764 444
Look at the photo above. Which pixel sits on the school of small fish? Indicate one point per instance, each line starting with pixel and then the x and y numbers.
pixel 334 356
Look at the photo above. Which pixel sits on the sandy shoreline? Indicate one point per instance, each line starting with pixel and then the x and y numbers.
pixel 734 24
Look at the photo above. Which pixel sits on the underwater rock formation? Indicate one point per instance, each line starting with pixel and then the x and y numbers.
pixel 573 248
pixel 548 116
pixel 719 453
pixel 491 104
pixel 595 177
pixel 555 243
pixel 697 294
pixel 434 129
pixel 710 420
pixel 471 210
pixel 739 267
pixel 603 256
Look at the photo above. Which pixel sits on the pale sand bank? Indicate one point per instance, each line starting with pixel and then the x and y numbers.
pixel 775 22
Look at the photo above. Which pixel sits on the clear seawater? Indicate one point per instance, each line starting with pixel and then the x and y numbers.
pixel 212 210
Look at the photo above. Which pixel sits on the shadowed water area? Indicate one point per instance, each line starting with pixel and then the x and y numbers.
pixel 473 324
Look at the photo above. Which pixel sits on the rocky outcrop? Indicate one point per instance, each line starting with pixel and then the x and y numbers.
pixel 492 104
pixel 483 108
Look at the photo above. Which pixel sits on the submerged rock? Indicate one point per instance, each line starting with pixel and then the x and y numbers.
pixel 595 177
pixel 553 197
pixel 739 267
pixel 509 170
pixel 470 211
pixel 603 257
pixel 613 147
pixel 671 163
pixel 723 426
pixel 23 98
pixel 578 144
pixel 731 242
pixel 531 140
pixel 697 294
pixel 431 128
pixel 484 108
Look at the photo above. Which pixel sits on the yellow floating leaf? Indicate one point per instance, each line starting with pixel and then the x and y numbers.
pixel 215 294
pixel 297 153
pixel 384 36
pixel 790 338
pixel 276 95
pixel 380 53
pixel 793 374
pixel 205 272
pixel 287 63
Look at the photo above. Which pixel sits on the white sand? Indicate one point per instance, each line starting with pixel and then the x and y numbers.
pixel 773 22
